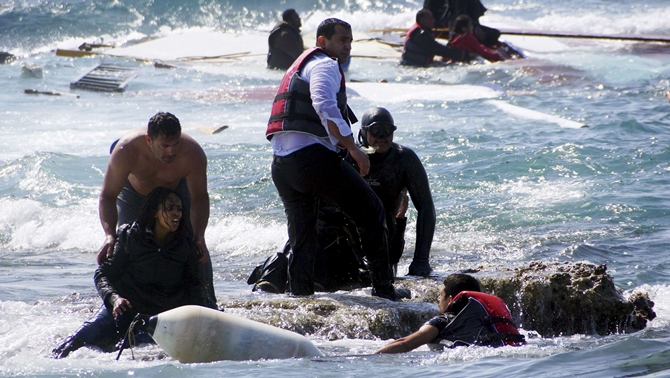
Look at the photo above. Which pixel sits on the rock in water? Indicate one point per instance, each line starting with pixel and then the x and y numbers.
pixel 551 299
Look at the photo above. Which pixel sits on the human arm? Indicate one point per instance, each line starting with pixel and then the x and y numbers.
pixel 115 178
pixel 419 190
pixel 324 79
pixel 424 335
pixel 199 212
pixel 109 271
pixel 425 41
pixel 470 43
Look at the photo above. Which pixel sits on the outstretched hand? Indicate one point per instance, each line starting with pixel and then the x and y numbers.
pixel 107 249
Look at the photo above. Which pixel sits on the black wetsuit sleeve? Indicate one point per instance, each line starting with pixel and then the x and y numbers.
pixel 111 269
pixel 419 192
pixel 440 322
pixel 425 41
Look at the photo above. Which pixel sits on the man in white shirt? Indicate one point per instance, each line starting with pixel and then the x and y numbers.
pixel 309 125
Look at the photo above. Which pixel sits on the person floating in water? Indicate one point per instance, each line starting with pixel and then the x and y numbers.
pixel 467 317
pixel 154 268
pixel 285 42
pixel 420 46
pixel 462 38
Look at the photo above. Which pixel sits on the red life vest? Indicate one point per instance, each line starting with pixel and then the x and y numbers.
pixel 292 108
pixel 497 315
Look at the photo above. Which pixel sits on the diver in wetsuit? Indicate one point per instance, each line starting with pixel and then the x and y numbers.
pixel 395 171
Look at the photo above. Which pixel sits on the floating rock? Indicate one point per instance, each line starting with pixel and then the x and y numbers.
pixel 6 57
pixel 551 299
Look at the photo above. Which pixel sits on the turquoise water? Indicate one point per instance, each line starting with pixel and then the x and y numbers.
pixel 508 189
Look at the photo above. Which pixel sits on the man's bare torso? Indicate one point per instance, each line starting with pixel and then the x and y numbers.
pixel 146 171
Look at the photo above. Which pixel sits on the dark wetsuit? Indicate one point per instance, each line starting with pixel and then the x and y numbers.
pixel 284 46
pixel 420 47
pixel 390 173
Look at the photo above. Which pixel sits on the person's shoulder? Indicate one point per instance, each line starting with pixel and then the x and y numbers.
pixel 404 151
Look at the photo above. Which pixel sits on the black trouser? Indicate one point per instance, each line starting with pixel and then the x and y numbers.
pixel 103 331
pixel 315 172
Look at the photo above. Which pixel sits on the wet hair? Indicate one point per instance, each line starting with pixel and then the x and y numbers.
pixel 163 123
pixel 152 203
pixel 455 283
pixel 286 15
pixel 461 22
pixel 327 27
pixel 422 14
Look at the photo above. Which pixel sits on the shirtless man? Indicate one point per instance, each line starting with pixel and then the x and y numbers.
pixel 143 160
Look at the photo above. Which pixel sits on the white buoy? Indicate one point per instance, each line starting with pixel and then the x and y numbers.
pixel 199 334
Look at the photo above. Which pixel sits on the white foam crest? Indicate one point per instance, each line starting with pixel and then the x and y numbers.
pixel 29 225
pixel 660 295
pixel 640 21
pixel 245 236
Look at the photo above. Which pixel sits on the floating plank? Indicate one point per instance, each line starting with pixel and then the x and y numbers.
pixel 615 37
pixel 522 112
pixel 400 92
pixel 106 78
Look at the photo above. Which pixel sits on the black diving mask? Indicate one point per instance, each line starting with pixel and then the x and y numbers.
pixel 380 130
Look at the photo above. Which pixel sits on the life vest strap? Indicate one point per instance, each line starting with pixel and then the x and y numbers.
pixel 497 319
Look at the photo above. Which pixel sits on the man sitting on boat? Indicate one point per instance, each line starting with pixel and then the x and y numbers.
pixel 285 42
pixel 467 317
pixel 420 46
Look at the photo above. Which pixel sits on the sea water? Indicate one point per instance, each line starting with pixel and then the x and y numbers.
pixel 507 189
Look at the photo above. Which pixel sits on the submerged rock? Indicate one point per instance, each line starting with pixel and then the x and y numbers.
pixel 551 299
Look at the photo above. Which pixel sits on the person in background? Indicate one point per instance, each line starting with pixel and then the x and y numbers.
pixel 439 9
pixel 285 42
pixel 420 46
pixel 309 124
pixel 154 268
pixel 142 160
pixel 474 9
pixel 467 317
pixel 462 38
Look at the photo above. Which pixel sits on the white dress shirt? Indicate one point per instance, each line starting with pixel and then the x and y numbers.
pixel 324 78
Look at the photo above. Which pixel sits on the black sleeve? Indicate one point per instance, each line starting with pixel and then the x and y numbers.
pixel 440 322
pixel 419 191
pixel 112 268
pixel 425 41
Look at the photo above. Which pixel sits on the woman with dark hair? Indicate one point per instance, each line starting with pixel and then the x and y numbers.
pixel 463 38
pixel 154 269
